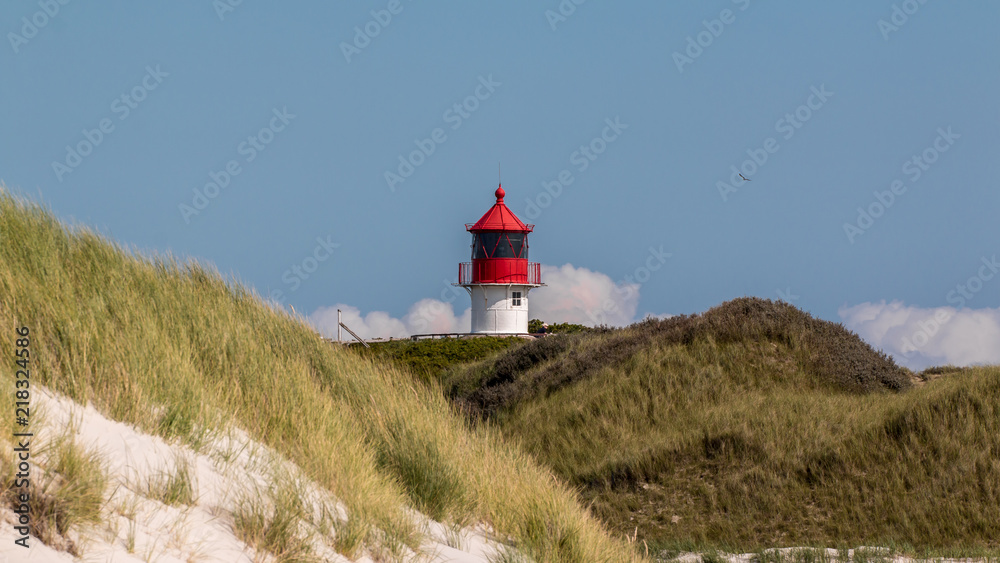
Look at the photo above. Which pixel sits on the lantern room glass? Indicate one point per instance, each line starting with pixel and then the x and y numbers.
pixel 499 245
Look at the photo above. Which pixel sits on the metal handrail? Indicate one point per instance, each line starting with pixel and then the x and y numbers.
pixel 358 338
pixel 466 274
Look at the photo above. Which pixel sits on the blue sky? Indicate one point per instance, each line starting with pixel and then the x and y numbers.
pixel 835 100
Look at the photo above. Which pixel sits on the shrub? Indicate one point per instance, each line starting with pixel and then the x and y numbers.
pixel 828 352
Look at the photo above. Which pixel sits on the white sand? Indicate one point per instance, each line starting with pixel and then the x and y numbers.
pixel 136 528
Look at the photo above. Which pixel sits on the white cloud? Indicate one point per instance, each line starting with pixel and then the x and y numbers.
pixel 579 295
pixel 374 324
pixel 431 316
pixel 571 295
pixel 921 337
pixel 424 317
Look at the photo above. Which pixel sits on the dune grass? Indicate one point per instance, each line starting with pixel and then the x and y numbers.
pixel 66 489
pixel 272 522
pixel 174 349
pixel 706 440
pixel 173 487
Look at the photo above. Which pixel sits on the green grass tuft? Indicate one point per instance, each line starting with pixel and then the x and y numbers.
pixel 272 522
pixel 173 487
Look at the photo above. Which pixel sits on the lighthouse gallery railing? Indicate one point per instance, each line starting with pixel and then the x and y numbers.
pixel 486 271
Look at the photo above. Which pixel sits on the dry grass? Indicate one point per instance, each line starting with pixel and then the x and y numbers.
pixel 796 434
pixel 826 353
pixel 174 349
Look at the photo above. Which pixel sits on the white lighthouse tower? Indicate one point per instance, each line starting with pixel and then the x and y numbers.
pixel 499 276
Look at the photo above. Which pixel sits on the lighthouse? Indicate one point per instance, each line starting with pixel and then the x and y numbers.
pixel 499 276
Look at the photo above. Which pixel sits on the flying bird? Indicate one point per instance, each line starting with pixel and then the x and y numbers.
pixel 745 179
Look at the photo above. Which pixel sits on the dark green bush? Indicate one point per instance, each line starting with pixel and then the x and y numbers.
pixel 535 326
pixel 428 358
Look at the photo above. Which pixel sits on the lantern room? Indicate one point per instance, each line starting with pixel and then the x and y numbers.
pixel 499 276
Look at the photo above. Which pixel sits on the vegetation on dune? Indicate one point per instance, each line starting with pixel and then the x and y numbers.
pixel 173 487
pixel 831 355
pixel 535 326
pixel 751 426
pixel 269 520
pixel 429 357
pixel 69 494
pixel 175 350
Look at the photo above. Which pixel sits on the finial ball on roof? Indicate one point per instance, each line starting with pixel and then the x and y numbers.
pixel 500 193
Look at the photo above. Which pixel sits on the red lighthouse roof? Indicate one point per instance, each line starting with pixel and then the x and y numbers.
pixel 499 218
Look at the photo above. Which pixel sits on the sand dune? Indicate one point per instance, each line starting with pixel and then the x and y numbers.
pixel 230 467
